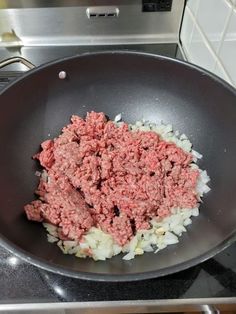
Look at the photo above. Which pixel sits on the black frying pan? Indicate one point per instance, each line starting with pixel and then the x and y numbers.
pixel 140 86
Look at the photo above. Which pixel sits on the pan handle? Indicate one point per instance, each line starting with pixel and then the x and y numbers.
pixel 8 61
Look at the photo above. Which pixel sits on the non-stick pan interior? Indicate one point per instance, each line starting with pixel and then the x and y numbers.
pixel 139 86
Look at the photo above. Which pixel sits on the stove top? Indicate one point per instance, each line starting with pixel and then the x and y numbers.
pixel 21 282
pixel 215 278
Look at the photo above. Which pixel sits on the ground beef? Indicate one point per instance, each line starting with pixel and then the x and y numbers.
pixel 110 177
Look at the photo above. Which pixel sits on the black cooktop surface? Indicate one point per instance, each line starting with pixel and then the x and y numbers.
pixel 22 282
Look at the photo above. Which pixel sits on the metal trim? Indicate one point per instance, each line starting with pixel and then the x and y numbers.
pixel 15 4
pixel 9 61
pixel 129 306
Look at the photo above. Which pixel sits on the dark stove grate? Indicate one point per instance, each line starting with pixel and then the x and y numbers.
pixel 8 76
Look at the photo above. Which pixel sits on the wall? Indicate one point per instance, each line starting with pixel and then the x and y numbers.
pixel 208 36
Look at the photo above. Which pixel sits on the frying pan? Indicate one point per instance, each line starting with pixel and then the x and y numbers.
pixel 156 88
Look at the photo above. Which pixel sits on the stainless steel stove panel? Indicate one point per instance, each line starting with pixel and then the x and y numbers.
pixel 35 23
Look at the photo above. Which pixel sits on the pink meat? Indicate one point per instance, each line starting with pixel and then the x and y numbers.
pixel 46 157
pixel 112 178
pixel 33 211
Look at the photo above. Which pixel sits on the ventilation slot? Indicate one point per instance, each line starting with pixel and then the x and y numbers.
pixel 99 12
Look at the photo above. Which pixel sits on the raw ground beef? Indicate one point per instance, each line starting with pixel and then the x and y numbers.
pixel 110 177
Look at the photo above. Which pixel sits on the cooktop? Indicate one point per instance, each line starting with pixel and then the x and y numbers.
pixel 21 282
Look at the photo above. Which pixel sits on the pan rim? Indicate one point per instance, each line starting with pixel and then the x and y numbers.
pixel 60 270
pixel 121 52
pixel 41 263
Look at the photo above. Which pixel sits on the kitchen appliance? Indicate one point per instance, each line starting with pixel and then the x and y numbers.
pixel 39 48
